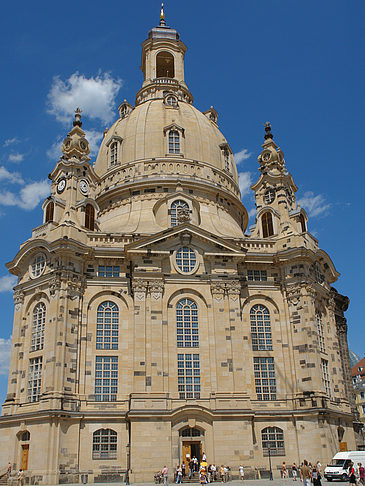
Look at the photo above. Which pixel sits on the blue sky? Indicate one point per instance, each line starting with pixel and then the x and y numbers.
pixel 300 65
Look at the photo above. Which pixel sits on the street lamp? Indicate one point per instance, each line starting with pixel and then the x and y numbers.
pixel 270 473
pixel 128 465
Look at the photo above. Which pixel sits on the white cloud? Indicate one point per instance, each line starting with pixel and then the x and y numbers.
pixel 239 157
pixel 95 96
pixel 5 175
pixel 314 205
pixel 29 196
pixel 252 212
pixel 93 137
pixel 245 181
pixel 5 349
pixel 11 141
pixel 7 283
pixel 16 157
pixel 54 151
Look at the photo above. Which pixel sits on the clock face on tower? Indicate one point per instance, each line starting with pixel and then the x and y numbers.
pixel 84 186
pixel 61 185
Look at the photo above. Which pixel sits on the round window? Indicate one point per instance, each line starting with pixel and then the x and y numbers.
pixel 185 259
pixel 38 265
pixel 171 100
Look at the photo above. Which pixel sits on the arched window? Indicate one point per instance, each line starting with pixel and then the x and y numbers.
pixel 107 326
pixel 113 153
pixel 105 444
pixel 49 211
pixel 176 207
pixel 165 65
pixel 273 438
pixel 171 100
pixel 267 226
pixel 39 320
pixel 25 436
pixel 89 217
pixel 302 223
pixel 260 328
pixel 191 432
pixel 187 324
pixel 174 142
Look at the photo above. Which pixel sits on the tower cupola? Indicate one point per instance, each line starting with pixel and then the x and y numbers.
pixel 75 143
pixel 163 64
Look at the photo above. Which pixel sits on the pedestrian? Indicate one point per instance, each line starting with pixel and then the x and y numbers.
pixel 204 457
pixel 316 477
pixel 214 472
pixel 319 467
pixel 294 471
pixel 191 469
pixel 351 474
pixel 202 476
pixel 9 470
pixel 361 473
pixel 305 473
pixel 221 472
pixel 183 470
pixel 165 474
pixel 242 472
pixel 21 477
pixel 178 474
pixel 209 473
pixel 226 471
pixel 284 471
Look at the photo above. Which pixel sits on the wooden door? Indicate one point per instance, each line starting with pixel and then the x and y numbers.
pixel 25 454
pixel 186 455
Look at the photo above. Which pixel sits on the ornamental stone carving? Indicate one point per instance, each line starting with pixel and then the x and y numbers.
pixel 18 299
pixel 217 289
pixel 233 288
pixel 156 288
pixel 139 289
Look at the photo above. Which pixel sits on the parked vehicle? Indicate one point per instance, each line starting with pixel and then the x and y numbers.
pixel 338 469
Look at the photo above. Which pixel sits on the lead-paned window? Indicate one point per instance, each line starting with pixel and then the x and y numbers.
pixel 185 259
pixel 108 271
pixel 174 142
pixel 176 207
pixel 273 438
pixel 265 381
pixel 187 324
pixel 106 378
pixel 260 328
pixel 257 275
pixel 107 326
pixel 105 444
pixel 188 375
pixel 113 153
pixel 320 330
pixel 326 377
pixel 34 379
pixel 38 265
pixel 38 323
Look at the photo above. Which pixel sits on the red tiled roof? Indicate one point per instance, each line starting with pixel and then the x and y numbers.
pixel 355 371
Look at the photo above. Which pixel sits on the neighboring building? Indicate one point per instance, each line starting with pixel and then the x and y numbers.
pixel 358 380
pixel 148 327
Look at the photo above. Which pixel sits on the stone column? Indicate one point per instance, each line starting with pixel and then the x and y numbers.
pixel 155 342
pixel 236 365
pixel 139 351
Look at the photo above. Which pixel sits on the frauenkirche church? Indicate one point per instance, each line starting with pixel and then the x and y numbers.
pixel 149 327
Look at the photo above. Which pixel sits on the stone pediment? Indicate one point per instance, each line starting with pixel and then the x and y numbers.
pixel 186 234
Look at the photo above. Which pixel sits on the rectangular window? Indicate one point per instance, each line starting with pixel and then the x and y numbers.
pixel 188 371
pixel 326 377
pixel 320 330
pixel 362 394
pixel 265 381
pixel 106 378
pixel 34 379
pixel 257 275
pixel 108 271
pixel 363 408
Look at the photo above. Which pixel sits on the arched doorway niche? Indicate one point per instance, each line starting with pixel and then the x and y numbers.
pixel 23 449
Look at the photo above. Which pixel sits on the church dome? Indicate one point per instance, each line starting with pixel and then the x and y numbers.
pixel 145 132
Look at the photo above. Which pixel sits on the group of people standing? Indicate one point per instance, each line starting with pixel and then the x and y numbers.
pixel 306 471
pixel 356 474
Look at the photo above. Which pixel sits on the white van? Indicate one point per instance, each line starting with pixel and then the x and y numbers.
pixel 339 466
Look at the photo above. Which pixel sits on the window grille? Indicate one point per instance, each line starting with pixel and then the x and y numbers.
pixel 320 330
pixel 187 324
pixel 113 151
pixel 186 259
pixel 265 381
pixel 188 371
pixel 326 377
pixel 108 271
pixel 38 265
pixel 176 206
pixel 105 444
pixel 257 275
pixel 191 432
pixel 89 217
pixel 107 326
pixel 39 319
pixel 260 328
pixel 273 438
pixel 106 378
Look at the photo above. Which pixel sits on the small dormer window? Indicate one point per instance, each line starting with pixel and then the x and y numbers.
pixel 226 153
pixel 49 211
pixel 267 225
pixel 124 109
pixel 174 142
pixel 302 223
pixel 113 153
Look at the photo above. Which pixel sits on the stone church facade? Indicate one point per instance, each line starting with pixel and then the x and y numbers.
pixel 149 327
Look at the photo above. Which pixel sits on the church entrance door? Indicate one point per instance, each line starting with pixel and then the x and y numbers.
pixel 191 449
pixel 25 455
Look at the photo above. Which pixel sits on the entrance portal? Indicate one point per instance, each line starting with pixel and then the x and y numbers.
pixel 191 449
